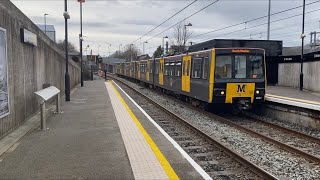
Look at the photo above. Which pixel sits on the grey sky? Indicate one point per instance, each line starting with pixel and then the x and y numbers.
pixel 122 22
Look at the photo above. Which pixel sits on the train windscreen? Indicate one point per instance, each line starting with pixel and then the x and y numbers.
pixel 239 66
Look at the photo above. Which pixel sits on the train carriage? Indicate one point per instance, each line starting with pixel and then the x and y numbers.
pixel 219 75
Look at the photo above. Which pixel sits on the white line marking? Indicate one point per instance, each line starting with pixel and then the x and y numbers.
pixel 175 144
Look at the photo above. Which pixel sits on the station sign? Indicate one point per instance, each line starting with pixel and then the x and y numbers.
pixel 28 37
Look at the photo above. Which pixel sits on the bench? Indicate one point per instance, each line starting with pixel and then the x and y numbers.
pixel 45 95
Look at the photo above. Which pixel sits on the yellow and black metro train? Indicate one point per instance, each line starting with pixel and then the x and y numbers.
pixel 234 76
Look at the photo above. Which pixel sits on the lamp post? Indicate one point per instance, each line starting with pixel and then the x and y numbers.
pixel 131 52
pixel 269 12
pixel 109 47
pixel 80 41
pixel 67 77
pixel 163 44
pixel 99 49
pixel 185 34
pixel 119 48
pixel 143 46
pixel 109 54
pixel 45 23
pixel 302 44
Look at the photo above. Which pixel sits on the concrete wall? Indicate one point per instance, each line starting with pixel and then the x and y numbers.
pixel 289 75
pixel 29 67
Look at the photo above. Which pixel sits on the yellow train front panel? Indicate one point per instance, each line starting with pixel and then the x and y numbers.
pixel 239 90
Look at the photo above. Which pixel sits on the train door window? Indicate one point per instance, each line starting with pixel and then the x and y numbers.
pixel 172 68
pixel 157 67
pixel 188 68
pixel 196 67
pixel 240 66
pixel 151 67
pixel 205 67
pixel 166 68
pixel 178 68
pixel 223 67
pixel 144 68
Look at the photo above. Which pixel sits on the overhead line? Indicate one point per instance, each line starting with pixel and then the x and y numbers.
pixel 165 21
pixel 289 17
pixel 184 19
pixel 255 19
pixel 294 25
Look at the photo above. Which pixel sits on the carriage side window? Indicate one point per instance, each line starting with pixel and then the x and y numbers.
pixel 178 68
pixel 157 67
pixel 205 67
pixel 196 67
pixel 223 67
pixel 166 68
pixel 172 68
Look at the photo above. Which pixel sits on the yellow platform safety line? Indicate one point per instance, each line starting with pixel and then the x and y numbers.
pixel 163 161
pixel 293 99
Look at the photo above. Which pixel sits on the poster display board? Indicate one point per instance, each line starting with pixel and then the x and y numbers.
pixel 4 91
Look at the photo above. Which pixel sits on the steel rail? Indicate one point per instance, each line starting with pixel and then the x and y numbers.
pixel 253 167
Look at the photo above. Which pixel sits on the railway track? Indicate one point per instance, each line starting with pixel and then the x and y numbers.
pixel 219 161
pixel 298 143
pixel 302 144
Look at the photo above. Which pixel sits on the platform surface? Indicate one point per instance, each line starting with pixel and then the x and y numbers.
pixel 96 137
pixel 293 96
pixel 293 93
pixel 82 143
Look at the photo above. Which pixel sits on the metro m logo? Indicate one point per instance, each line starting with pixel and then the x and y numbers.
pixel 241 88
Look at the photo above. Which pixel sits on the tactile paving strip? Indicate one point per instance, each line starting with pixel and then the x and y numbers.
pixel 143 161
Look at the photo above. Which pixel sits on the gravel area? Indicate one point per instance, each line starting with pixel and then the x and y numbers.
pixel 274 160
pixel 296 127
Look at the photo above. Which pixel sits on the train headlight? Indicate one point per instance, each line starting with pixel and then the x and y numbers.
pixel 257 92
pixel 222 92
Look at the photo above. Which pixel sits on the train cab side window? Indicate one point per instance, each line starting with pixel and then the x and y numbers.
pixel 205 67
pixel 178 68
pixel 172 68
pixel 196 67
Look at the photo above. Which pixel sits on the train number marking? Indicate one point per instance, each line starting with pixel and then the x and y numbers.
pixel 241 88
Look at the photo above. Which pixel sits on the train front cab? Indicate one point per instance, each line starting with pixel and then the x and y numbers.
pixel 239 77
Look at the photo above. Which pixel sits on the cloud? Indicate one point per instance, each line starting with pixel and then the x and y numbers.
pixel 123 21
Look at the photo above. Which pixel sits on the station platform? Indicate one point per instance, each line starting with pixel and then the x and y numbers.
pixel 293 97
pixel 101 134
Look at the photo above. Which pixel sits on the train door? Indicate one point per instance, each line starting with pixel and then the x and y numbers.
pixel 148 71
pixel 139 69
pixel 186 68
pixel 130 69
pixel 161 65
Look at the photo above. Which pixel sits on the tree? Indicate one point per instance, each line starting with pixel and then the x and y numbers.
pixel 181 34
pixel 129 53
pixel 71 47
pixel 158 52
